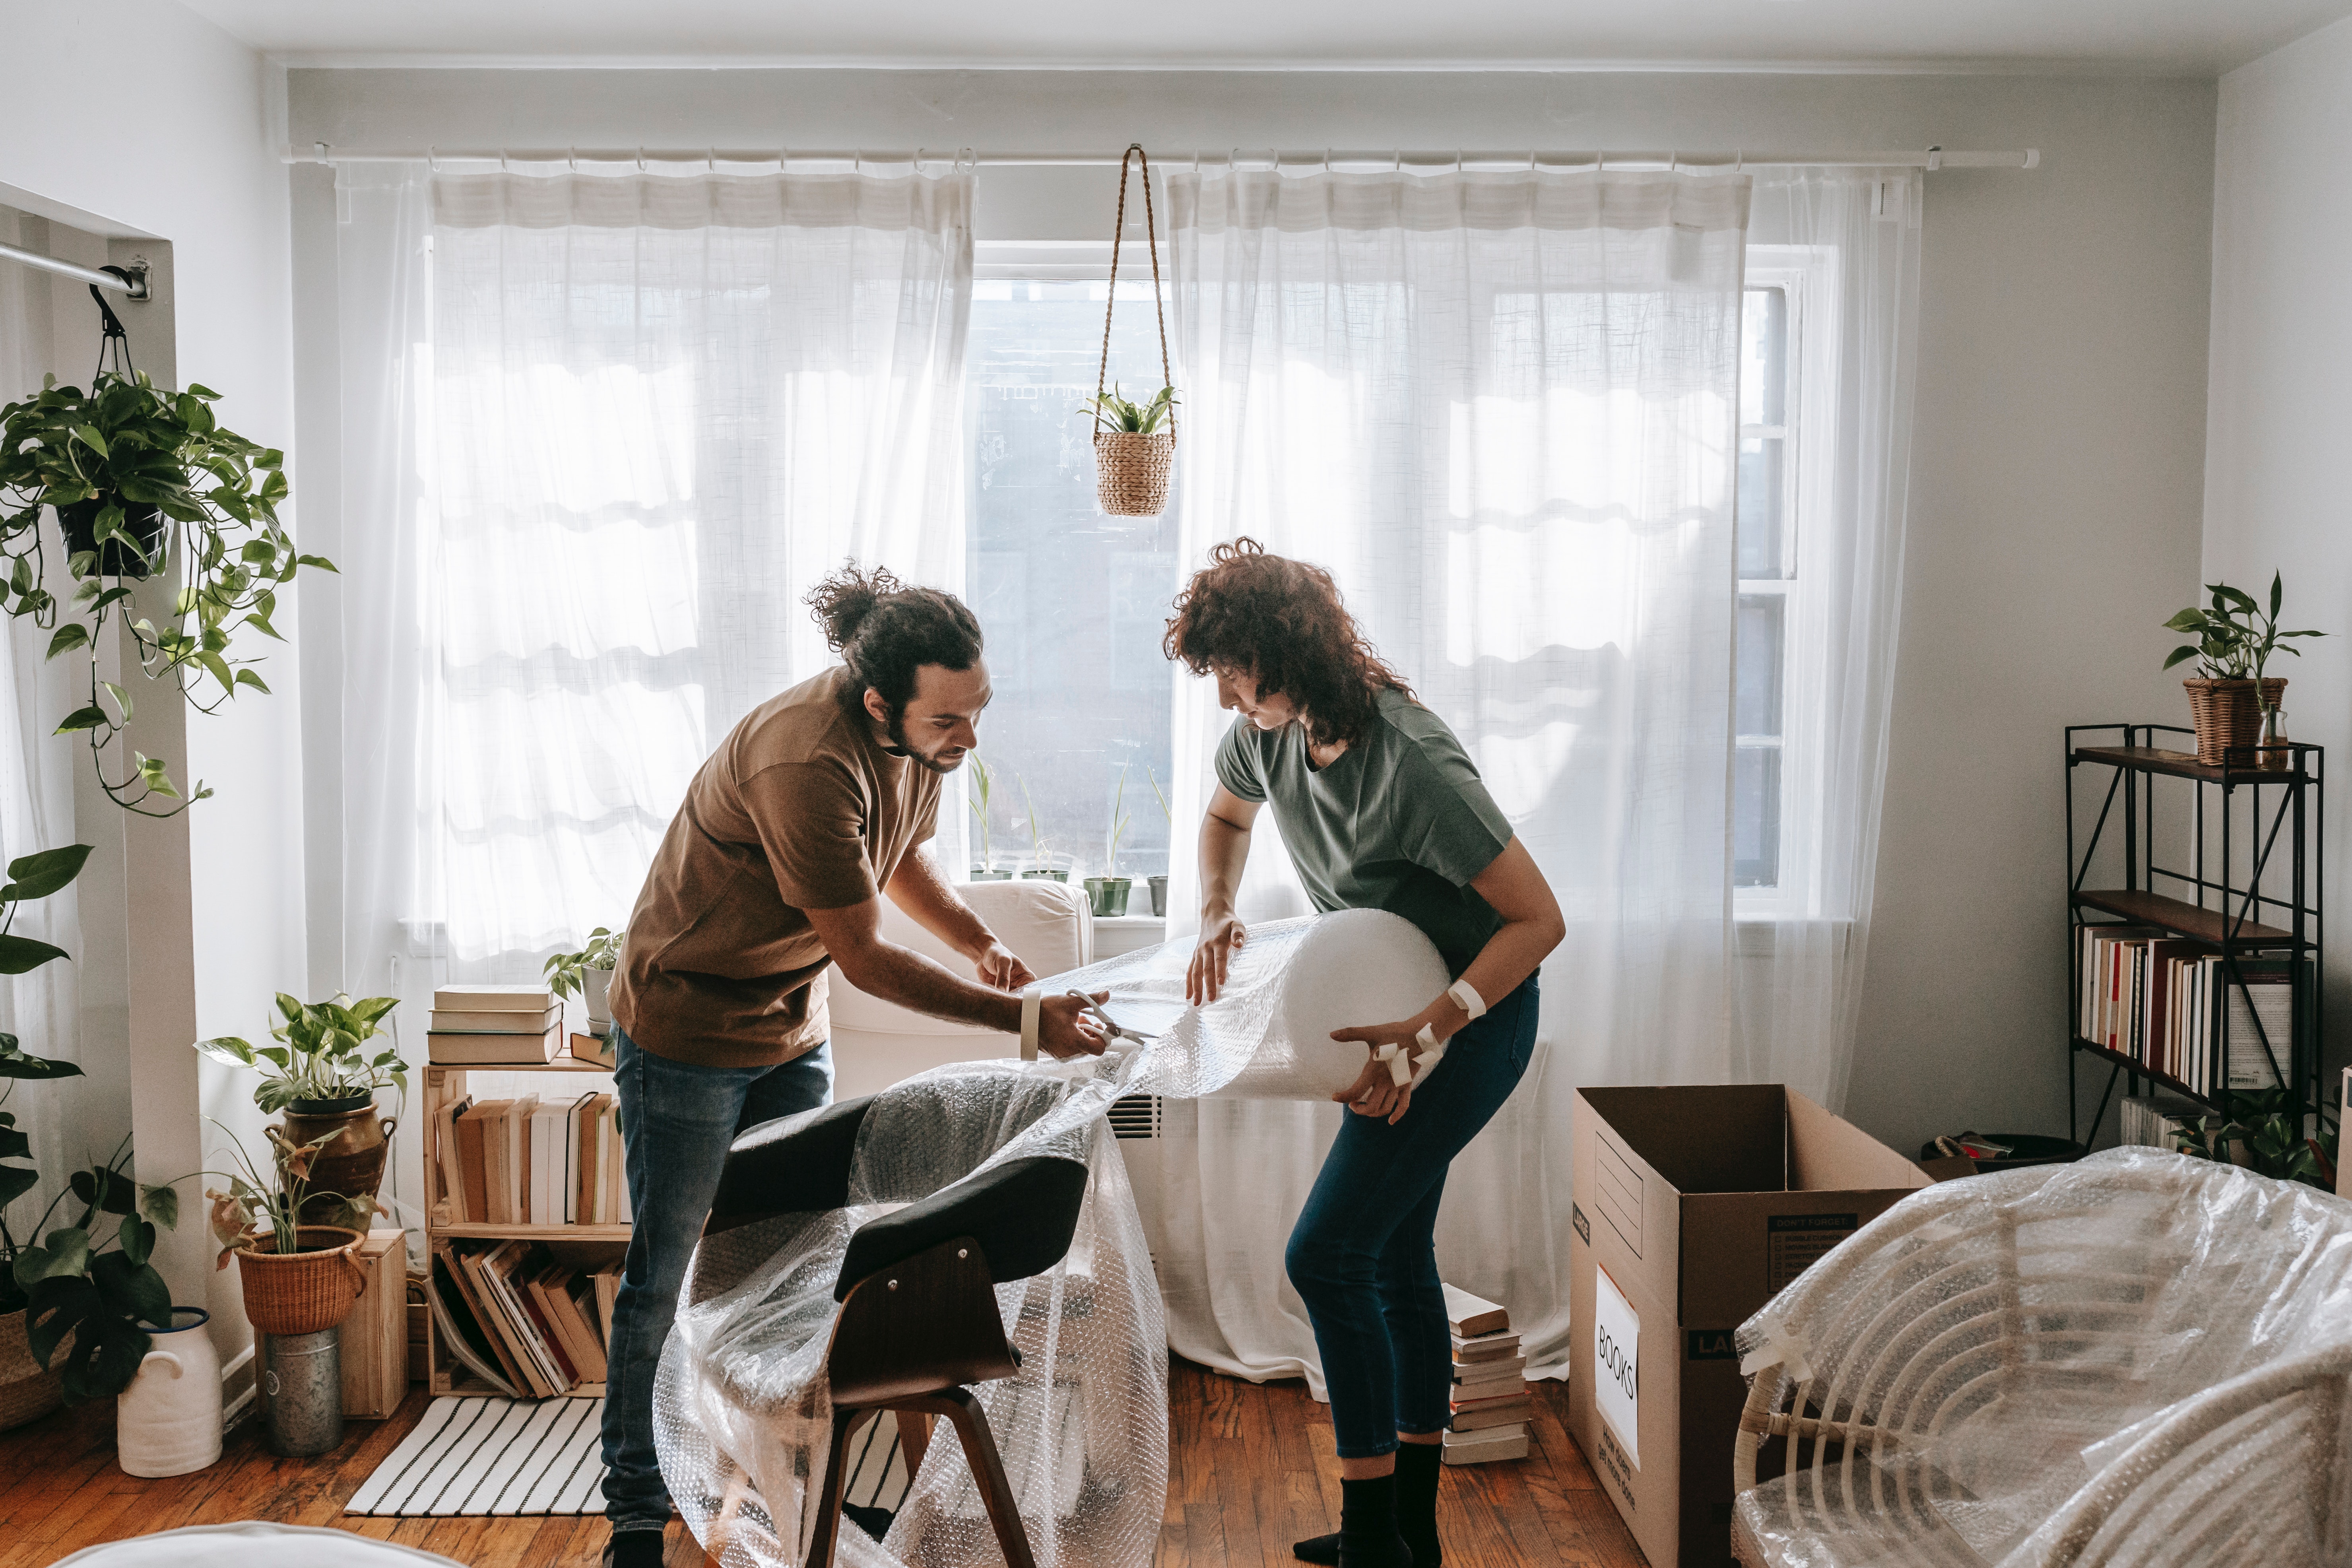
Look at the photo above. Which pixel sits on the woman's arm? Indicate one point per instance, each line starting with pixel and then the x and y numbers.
pixel 1224 850
pixel 1532 927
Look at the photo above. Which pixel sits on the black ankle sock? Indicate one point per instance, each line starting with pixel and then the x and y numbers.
pixel 1419 1464
pixel 1367 1525
pixel 1323 1549
pixel 633 1549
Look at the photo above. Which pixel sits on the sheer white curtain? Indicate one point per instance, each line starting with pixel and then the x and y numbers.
pixel 1503 409
pixel 601 432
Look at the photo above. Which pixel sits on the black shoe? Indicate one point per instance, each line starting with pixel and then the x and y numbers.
pixel 633 1549
pixel 1322 1550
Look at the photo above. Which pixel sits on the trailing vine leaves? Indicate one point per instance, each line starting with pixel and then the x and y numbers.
pixel 155 478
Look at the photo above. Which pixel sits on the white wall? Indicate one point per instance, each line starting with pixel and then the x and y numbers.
pixel 2060 415
pixel 138 117
pixel 2281 397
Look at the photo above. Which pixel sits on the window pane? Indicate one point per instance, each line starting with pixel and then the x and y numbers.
pixel 1764 356
pixel 1073 603
pixel 1761 627
pixel 1756 816
pixel 1761 493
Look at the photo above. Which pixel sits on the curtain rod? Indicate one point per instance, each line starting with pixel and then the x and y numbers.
pixel 1926 158
pixel 130 281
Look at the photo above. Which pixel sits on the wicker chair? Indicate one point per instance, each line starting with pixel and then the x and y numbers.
pixel 2140 1359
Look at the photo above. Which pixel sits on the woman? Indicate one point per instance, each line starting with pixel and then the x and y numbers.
pixel 1381 808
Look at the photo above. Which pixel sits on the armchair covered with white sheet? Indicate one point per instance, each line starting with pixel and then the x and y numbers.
pixel 2141 1359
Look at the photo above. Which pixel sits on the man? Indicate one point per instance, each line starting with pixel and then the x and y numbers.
pixel 772 871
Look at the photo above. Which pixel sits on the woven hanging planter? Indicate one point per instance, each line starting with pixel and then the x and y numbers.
pixel 2229 718
pixel 1132 468
pixel 302 1293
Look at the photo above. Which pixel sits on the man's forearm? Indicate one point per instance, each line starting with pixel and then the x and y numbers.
pixel 899 974
pixel 919 891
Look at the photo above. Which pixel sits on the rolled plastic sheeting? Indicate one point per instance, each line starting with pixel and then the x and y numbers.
pixel 742 1420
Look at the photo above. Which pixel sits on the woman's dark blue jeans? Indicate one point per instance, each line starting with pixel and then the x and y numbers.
pixel 676 1123
pixel 1363 1255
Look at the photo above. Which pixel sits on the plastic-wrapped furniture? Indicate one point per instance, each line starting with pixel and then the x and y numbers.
pixel 2140 1359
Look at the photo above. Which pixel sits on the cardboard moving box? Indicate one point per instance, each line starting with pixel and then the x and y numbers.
pixel 1693 1209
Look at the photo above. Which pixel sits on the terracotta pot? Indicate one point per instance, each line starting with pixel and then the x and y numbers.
pixel 353 1164
pixel 27 1393
pixel 303 1292
pixel 2229 717
pixel 168 1422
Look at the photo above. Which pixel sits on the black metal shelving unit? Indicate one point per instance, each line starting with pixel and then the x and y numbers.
pixel 2263 897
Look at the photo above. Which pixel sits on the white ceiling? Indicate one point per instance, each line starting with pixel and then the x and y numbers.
pixel 2195 35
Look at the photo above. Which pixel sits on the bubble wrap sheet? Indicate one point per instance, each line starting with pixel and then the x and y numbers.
pixel 742 1421
pixel 2140 1359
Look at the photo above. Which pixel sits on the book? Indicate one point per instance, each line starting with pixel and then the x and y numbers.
pixel 1486 1447
pixel 2265 998
pixel 608 1292
pixel 583 1172
pixel 485 1323
pixel 550 1156
pixel 547 1343
pixel 492 1270
pixel 1470 1316
pixel 1491 1347
pixel 516 1170
pixel 495 1318
pixel 449 1167
pixel 492 1021
pixel 495 999
pixel 560 1290
pixel 461 1331
pixel 1477 1398
pixel 592 1047
pixel 1477 1374
pixel 474 1145
pixel 1510 1413
pixel 450 1049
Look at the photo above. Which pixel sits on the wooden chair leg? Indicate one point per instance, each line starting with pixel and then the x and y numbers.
pixel 987 1468
pixel 914 1440
pixel 828 1499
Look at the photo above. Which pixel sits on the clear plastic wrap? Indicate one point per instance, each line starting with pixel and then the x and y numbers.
pixel 2139 1359
pixel 741 1417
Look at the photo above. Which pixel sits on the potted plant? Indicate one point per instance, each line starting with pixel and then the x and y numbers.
pixel 984 781
pixel 2263 1132
pixel 325 1077
pixel 1133 456
pixel 1160 883
pixel 588 973
pixel 1041 864
pixel 84 1312
pixel 2231 702
pixel 299 1277
pixel 139 477
pixel 1107 893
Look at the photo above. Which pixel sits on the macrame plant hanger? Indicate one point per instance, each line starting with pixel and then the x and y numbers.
pixel 1132 469
pixel 114 342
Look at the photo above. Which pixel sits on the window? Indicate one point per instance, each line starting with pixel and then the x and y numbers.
pixel 1073 601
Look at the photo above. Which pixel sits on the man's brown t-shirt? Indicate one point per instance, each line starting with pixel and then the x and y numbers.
pixel 798 809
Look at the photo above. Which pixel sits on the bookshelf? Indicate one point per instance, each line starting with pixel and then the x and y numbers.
pixel 575 1243
pixel 2226 856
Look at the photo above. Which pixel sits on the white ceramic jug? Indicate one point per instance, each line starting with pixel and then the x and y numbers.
pixel 168 1422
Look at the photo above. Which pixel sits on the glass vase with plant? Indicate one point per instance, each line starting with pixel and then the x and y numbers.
pixel 323 1073
pixel 2231 700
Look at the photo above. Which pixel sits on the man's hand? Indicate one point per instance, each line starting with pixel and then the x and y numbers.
pixel 1221 937
pixel 997 966
pixel 1065 1029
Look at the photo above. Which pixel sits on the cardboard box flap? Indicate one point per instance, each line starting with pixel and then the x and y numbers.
pixel 1628 1214
pixel 1726 1138
pixel 1826 1155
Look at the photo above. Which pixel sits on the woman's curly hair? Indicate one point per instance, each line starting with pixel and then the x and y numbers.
pixel 1282 621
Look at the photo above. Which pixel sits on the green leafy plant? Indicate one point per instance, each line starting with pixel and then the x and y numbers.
pixel 2233 636
pixel 983 781
pixel 259 1211
pixel 2268 1126
pixel 1159 796
pixel 157 479
pixel 72 1283
pixel 321 1052
pixel 30 877
pixel 566 973
pixel 1110 408
pixel 1116 828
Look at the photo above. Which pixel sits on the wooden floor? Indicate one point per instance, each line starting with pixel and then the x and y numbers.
pixel 1253 1469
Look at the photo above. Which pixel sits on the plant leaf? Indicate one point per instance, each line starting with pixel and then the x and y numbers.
pixel 67 637
pixel 38 875
pixel 22 955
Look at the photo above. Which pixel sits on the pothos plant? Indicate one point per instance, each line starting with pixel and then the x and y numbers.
pixel 152 478
pixel 566 973
pixel 322 1052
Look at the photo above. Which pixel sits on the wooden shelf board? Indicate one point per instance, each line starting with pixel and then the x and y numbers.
pixel 2183 764
pixel 2132 1065
pixel 2176 914
pixel 566 1063
pixel 479 1232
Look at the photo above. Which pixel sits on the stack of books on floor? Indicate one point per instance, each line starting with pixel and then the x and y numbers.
pixel 2173 1005
pixel 528 1162
pixel 1491 1403
pixel 519 1319
pixel 2154 1121
pixel 487 1026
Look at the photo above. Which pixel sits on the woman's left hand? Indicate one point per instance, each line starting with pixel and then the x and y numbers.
pixel 1376 1091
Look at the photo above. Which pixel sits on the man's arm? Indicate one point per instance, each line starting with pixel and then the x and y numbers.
pixel 852 936
pixel 919 889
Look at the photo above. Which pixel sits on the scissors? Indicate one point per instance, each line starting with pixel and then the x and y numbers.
pixel 1110 1026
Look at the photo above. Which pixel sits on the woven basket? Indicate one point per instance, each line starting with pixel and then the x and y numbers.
pixel 27 1393
pixel 1132 472
pixel 303 1292
pixel 2229 716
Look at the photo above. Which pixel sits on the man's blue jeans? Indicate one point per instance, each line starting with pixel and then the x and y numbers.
pixel 676 1123
pixel 1363 1255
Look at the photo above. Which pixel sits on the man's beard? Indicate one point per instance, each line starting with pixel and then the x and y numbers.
pixel 896 729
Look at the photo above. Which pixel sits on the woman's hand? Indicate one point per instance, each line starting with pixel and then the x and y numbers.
pixel 1222 936
pixel 1376 1091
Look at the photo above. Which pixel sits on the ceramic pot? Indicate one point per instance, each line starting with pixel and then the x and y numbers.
pixel 27 1393
pixel 1159 896
pixel 303 1292
pixel 596 990
pixel 1045 875
pixel 978 875
pixel 1107 895
pixel 168 1422
pixel 353 1164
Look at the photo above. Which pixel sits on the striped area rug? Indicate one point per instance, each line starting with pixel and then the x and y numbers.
pixel 472 1455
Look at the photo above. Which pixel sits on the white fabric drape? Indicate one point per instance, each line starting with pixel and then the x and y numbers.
pixel 601 433
pixel 1503 410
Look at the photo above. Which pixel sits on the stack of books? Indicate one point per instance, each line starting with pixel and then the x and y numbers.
pixel 2172 1005
pixel 521 1321
pixel 489 1026
pixel 2155 1121
pixel 1491 1403
pixel 527 1161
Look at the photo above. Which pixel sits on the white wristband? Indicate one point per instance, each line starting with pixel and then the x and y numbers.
pixel 1030 999
pixel 1469 999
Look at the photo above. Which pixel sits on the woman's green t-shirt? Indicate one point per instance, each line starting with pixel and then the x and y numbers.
pixel 1398 821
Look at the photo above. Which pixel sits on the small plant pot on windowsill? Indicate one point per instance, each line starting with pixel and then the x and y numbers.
pixel 980 874
pixel 1159 897
pixel 1044 875
pixel 79 522
pixel 2229 716
pixel 302 1293
pixel 353 1166
pixel 1107 895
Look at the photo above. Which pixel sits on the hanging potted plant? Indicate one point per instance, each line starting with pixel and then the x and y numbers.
pixel 1107 893
pixel 1134 455
pixel 325 1077
pixel 588 974
pixel 1041 856
pixel 1160 883
pixel 984 781
pixel 139 480
pixel 2235 706
pixel 298 1277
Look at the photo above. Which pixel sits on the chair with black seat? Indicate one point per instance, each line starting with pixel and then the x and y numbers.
pixel 919 1320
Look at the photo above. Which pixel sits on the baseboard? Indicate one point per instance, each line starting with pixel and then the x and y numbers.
pixel 238 1386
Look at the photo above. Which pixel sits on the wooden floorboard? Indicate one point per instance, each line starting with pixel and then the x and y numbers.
pixel 1251 1468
